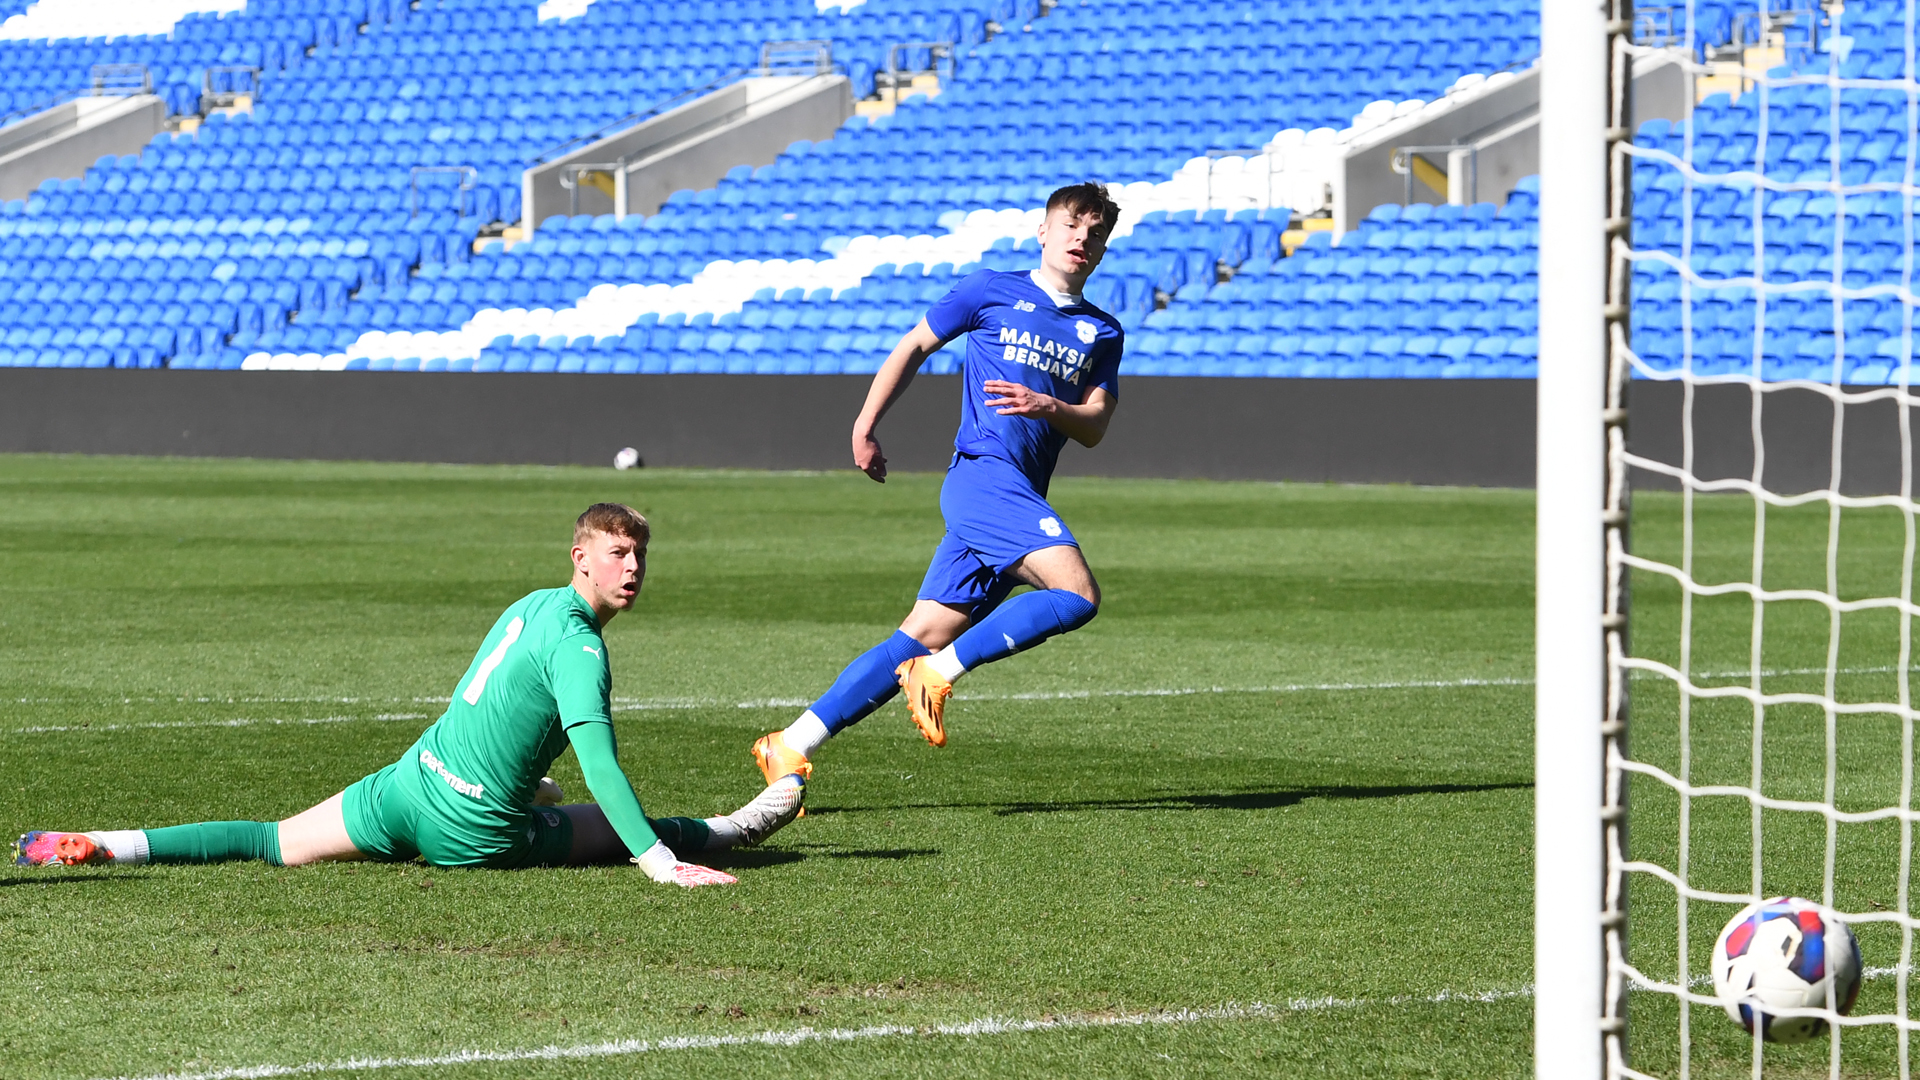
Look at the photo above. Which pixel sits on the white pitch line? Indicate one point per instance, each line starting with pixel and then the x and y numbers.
pixel 1081 695
pixel 238 722
pixel 683 703
pixel 988 1025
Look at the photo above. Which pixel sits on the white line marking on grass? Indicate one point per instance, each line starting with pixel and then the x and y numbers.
pixel 1078 695
pixel 238 722
pixel 987 1025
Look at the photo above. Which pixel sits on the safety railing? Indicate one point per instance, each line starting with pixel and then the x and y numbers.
pixel 25 111
pixel 1460 182
pixel 796 57
pixel 895 75
pixel 121 80
pixel 1653 27
pixel 469 177
pixel 224 85
pixel 613 174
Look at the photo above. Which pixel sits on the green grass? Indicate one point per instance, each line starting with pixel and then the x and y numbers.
pixel 198 640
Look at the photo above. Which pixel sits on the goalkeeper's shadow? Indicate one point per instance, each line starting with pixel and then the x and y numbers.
pixel 1236 800
pixel 759 858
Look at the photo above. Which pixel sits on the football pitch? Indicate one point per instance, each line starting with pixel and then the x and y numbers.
pixel 1269 814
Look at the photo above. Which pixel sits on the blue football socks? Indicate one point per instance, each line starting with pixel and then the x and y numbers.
pixel 867 683
pixel 1021 623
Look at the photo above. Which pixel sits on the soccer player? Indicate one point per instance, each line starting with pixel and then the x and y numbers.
pixel 1041 367
pixel 465 794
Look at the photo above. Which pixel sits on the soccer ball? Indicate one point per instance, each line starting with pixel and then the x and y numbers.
pixel 1785 953
pixel 626 459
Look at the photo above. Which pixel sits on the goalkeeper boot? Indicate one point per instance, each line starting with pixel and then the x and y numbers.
pixel 927 691
pixel 64 848
pixel 776 759
pixel 771 810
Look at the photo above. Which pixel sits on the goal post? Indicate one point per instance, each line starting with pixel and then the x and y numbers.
pixel 1770 572
pixel 1583 116
pixel 1577 121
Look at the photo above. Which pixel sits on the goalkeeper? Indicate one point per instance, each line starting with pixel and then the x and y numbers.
pixel 465 794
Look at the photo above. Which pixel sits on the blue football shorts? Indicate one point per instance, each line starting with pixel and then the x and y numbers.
pixel 994 519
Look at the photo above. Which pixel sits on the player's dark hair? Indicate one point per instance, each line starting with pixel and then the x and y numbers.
pixel 614 519
pixel 1089 197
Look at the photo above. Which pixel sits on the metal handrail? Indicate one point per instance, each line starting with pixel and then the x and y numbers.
pixel 470 176
pixel 820 49
pixel 103 85
pixel 1400 160
pixel 41 106
pixel 935 50
pixel 216 99
pixel 1653 27
pixel 121 80
pixel 572 171
pixel 663 105
pixel 1778 20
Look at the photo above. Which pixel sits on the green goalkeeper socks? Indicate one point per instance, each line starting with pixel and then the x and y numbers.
pixel 215 841
pixel 686 836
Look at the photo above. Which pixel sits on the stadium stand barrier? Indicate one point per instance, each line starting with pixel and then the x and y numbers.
pixel 747 123
pixel 64 141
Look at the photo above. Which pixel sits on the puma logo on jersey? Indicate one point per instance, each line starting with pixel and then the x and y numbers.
pixel 591 649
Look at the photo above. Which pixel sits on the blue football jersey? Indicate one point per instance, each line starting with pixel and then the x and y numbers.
pixel 1015 333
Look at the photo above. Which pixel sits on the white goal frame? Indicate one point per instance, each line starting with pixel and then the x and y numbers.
pixel 1585 187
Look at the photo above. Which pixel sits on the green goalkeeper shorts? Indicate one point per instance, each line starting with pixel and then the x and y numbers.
pixel 385 823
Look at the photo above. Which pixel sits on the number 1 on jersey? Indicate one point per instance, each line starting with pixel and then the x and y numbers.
pixel 479 684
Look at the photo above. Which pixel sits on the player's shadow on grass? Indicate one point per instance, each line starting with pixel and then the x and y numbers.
pixel 755 858
pixel 1240 800
pixel 65 879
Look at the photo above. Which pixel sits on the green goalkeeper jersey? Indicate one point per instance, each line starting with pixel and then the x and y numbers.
pixel 541 670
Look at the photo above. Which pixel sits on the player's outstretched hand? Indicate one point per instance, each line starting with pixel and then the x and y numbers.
pixel 663 866
pixel 1017 399
pixel 867 456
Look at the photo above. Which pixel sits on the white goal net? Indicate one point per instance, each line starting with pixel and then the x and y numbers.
pixel 1747 419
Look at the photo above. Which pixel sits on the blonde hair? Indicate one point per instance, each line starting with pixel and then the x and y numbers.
pixel 614 519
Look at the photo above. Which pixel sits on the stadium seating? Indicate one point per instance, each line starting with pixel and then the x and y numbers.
pixel 1797 332
pixel 958 175
pixel 300 235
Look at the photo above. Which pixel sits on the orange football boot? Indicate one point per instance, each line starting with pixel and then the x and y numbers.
pixel 927 692
pixel 777 759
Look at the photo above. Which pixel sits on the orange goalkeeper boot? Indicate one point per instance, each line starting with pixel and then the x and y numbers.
pixel 927 692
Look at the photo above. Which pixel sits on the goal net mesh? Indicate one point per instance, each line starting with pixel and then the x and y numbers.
pixel 1765 565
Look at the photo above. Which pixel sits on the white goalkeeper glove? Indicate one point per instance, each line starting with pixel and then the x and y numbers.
pixel 663 866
